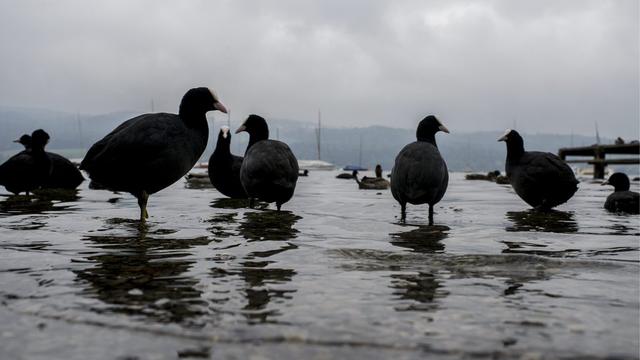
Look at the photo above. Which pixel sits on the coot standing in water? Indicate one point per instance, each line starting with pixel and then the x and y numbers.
pixel 622 200
pixel 541 179
pixel 224 167
pixel 269 170
pixel 64 174
pixel 420 174
pixel 28 170
pixel 149 152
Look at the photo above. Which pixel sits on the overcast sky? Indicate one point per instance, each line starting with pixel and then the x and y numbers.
pixel 554 66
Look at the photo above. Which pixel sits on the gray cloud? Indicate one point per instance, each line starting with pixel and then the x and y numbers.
pixel 550 66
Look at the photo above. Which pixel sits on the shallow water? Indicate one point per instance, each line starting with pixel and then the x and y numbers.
pixel 333 276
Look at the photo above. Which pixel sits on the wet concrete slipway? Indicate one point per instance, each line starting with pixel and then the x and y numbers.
pixel 333 276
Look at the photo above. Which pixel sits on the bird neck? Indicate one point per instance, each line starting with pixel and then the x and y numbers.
pixel 259 136
pixel 193 118
pixel 26 143
pixel 515 149
pixel 222 148
pixel 622 187
pixel 429 138
pixel 37 150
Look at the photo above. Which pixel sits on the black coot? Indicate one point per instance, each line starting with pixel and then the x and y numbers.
pixel 269 170
pixel 224 168
pixel 541 179
pixel 30 169
pixel 25 140
pixel 152 151
pixel 64 174
pixel 420 174
pixel 353 175
pixel 622 200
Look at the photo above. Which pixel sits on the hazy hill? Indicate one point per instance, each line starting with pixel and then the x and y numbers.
pixel 73 134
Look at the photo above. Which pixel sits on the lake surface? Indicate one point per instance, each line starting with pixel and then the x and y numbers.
pixel 333 276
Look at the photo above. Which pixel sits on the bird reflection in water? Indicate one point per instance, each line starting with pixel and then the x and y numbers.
pixel 59 195
pixel 269 225
pixel 264 284
pixel 41 201
pixel 144 276
pixel 422 288
pixel 552 221
pixel 518 271
pixel 41 204
pixel 227 203
pixel 424 239
pixel 221 225
pixel 24 205
pixel 546 221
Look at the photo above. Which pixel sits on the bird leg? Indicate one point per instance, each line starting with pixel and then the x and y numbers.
pixel 403 213
pixel 430 214
pixel 278 205
pixel 142 202
pixel 251 203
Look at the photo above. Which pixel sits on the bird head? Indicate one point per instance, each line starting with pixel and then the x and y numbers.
pixel 256 126
pixel 510 135
pixel 428 127
pixel 199 101
pixel 39 139
pixel 620 182
pixel 25 140
pixel 515 143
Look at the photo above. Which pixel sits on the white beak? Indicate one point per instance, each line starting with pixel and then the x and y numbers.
pixel 220 107
pixel 504 137
pixel 225 131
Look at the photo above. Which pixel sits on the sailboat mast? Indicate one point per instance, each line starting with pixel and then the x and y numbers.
pixel 79 131
pixel 360 155
pixel 318 134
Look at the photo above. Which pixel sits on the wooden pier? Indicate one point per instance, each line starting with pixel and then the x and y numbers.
pixel 598 154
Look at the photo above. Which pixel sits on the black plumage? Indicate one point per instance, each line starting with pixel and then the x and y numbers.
pixel 64 174
pixel 29 169
pixel 541 179
pixel 622 200
pixel 224 167
pixel 420 174
pixel 269 170
pixel 152 151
